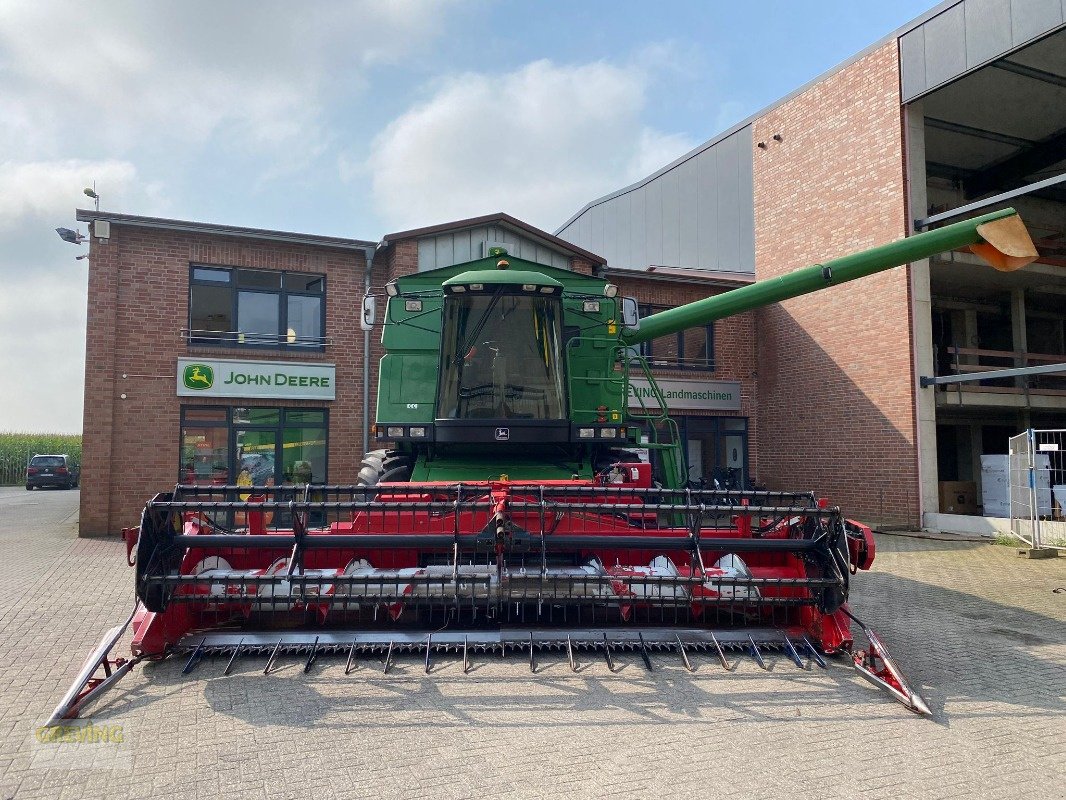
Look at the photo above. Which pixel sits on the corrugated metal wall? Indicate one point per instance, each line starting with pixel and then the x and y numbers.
pixel 699 212
pixel 970 34
pixel 458 247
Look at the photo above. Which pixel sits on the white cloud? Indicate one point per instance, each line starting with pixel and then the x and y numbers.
pixel 43 190
pixel 537 143
pixel 259 76
pixel 42 305
pixel 127 92
pixel 42 326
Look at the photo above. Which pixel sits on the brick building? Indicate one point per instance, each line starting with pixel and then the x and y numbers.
pixel 217 354
pixel 958 113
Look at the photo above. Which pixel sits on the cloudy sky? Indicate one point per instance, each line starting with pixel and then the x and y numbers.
pixel 355 119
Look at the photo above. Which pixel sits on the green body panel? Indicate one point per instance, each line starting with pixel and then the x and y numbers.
pixel 811 279
pixel 468 466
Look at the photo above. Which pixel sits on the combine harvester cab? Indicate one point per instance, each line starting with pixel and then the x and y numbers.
pixel 513 512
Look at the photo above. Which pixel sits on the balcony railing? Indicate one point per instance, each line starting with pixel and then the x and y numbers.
pixel 967 360
pixel 275 341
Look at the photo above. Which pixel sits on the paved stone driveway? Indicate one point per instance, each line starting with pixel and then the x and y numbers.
pixel 978 629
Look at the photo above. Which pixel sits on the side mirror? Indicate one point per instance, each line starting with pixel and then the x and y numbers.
pixel 370 306
pixel 630 313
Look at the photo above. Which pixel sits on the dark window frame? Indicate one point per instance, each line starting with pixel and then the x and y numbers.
pixel 283 293
pixel 647 349
pixel 229 424
pixel 691 425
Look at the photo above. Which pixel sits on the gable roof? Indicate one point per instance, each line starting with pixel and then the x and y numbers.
pixel 504 220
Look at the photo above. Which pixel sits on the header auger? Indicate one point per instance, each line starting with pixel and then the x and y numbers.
pixel 511 511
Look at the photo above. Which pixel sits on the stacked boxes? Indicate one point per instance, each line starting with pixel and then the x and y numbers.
pixel 998 493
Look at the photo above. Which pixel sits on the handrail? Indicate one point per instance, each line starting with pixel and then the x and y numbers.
pixel 195 336
pixel 977 351
pixel 1023 366
pixel 1016 354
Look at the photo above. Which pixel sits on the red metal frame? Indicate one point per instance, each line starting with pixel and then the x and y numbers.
pixel 155 633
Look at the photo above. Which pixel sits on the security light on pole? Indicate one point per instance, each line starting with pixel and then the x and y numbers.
pixel 91 192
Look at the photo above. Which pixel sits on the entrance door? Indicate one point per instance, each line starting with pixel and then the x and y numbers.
pixel 717 450
pixel 695 459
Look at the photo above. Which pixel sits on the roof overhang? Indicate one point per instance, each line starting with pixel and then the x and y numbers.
pixel 729 280
pixel 185 226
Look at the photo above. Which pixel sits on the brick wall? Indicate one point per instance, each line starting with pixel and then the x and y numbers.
pixel 835 383
pixel 138 305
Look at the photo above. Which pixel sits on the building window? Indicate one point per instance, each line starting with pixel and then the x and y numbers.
pixel 692 349
pixel 257 308
pixel 253 446
pixel 204 446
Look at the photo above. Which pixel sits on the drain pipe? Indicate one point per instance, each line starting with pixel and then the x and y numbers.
pixel 369 254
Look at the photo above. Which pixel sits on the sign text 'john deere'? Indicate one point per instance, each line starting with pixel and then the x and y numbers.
pixel 275 379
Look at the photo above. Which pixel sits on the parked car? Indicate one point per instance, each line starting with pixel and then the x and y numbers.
pixel 60 470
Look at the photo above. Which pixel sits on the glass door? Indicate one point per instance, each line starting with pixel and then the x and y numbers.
pixel 255 464
pixel 255 456
pixel 717 449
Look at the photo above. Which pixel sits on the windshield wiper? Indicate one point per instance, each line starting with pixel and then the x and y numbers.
pixel 479 326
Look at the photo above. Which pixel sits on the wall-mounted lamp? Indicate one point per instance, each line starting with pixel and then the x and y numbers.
pixel 67 235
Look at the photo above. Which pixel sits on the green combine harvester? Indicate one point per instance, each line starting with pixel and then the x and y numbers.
pixel 521 504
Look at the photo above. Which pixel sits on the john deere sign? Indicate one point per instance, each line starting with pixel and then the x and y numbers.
pixel 681 395
pixel 284 380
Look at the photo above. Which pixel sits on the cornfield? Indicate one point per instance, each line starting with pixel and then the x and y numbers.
pixel 16 449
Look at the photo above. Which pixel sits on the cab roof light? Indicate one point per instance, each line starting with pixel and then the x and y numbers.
pixel 610 290
pixel 391 289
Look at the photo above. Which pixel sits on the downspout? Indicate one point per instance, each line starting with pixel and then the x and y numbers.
pixel 369 254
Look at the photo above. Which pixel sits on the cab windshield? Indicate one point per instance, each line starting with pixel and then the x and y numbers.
pixel 501 357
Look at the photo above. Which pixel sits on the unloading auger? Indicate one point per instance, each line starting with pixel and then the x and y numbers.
pixel 520 505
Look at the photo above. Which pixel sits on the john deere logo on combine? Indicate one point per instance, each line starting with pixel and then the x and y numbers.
pixel 198 376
